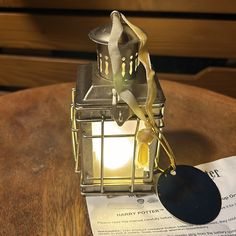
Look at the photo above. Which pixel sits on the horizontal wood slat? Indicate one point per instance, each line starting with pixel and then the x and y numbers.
pixel 26 71
pixel 218 79
pixel 175 37
pixel 206 6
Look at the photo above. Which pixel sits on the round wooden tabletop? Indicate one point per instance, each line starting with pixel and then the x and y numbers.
pixel 39 191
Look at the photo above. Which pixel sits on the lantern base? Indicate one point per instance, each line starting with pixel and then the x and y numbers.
pixel 117 190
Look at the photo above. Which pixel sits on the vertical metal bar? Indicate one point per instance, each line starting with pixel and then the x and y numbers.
pixel 74 129
pixel 77 161
pixel 74 143
pixel 102 155
pixel 73 126
pixel 157 155
pixel 134 156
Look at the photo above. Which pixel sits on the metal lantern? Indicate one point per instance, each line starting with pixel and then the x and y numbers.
pixel 104 128
pixel 117 129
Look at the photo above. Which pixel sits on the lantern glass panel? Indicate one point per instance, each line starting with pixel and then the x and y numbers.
pixel 110 155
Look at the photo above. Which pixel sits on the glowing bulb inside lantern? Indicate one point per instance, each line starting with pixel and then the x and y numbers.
pixel 118 151
pixel 116 154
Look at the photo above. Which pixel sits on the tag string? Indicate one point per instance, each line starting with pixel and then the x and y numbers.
pixel 125 94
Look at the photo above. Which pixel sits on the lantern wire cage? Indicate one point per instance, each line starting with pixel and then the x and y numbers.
pixel 132 184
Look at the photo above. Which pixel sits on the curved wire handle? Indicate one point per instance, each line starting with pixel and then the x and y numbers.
pixel 166 147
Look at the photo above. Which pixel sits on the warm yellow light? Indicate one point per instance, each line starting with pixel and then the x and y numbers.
pixel 118 152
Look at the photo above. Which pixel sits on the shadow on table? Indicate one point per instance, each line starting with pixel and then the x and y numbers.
pixel 191 148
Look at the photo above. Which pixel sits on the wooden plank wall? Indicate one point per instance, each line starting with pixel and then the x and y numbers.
pixel 30 31
pixel 173 37
pixel 201 6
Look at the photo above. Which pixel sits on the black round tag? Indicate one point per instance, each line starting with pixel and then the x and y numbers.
pixel 189 195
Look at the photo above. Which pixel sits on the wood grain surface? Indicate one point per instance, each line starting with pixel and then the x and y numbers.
pixel 29 71
pixel 206 6
pixel 39 191
pixel 175 37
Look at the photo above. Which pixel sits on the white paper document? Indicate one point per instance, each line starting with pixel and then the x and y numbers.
pixel 138 216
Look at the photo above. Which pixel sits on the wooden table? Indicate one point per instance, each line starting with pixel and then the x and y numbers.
pixel 39 191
